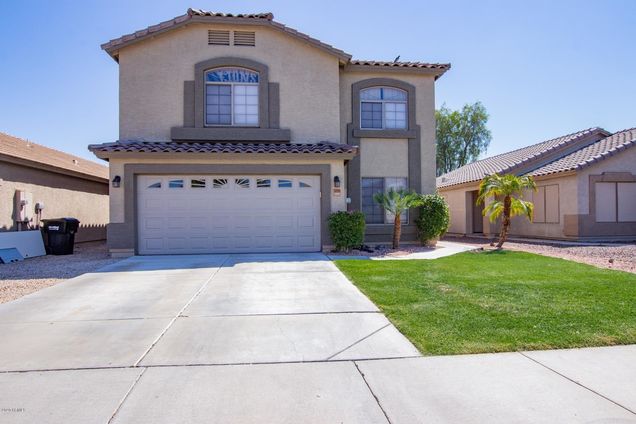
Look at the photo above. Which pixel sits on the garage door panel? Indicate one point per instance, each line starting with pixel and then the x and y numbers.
pixel 285 241
pixel 153 223
pixel 306 241
pixel 217 215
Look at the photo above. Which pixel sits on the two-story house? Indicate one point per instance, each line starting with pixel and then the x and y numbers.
pixel 240 134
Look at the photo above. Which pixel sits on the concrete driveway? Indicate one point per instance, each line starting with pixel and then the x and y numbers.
pixel 266 339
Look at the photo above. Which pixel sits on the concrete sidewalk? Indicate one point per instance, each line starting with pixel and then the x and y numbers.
pixel 269 339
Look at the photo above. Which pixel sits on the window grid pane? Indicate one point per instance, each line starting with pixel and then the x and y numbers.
pixel 218 104
pixel 245 104
pixel 371 114
pixel 373 212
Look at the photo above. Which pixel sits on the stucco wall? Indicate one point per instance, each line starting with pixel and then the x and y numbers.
pixel 63 196
pixel 384 157
pixel 117 168
pixel 152 75
pixel 456 200
pixel 425 118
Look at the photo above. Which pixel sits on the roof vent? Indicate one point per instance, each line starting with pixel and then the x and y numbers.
pixel 218 38
pixel 244 38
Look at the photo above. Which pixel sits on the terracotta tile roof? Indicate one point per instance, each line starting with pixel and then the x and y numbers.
pixel 323 148
pixel 199 12
pixel 505 162
pixel 198 15
pixel 50 158
pixel 590 154
pixel 422 65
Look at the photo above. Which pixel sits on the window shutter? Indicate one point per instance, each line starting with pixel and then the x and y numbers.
pixel 218 38
pixel 244 38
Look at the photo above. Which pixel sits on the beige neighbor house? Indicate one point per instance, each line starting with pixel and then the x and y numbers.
pixel 37 182
pixel 586 188
pixel 240 134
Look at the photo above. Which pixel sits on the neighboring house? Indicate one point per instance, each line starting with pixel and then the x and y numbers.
pixel 586 187
pixel 240 134
pixel 37 182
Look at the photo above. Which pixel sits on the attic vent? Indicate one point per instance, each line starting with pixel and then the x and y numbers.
pixel 244 38
pixel 218 38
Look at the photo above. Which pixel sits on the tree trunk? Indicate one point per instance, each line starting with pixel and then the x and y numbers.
pixel 397 231
pixel 506 222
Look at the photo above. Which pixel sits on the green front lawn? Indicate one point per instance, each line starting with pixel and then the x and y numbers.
pixel 500 301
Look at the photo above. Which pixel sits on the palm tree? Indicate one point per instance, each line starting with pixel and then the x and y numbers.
pixel 510 188
pixel 396 202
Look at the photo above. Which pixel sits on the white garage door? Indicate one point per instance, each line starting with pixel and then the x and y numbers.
pixel 228 214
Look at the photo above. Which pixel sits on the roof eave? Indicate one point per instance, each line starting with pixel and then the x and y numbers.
pixel 279 156
pixel 396 69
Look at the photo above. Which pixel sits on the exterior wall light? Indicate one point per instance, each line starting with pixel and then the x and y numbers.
pixel 336 181
pixel 117 181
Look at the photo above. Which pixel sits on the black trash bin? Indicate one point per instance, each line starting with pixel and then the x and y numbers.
pixel 59 235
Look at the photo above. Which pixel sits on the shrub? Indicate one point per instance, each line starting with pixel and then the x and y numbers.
pixel 434 218
pixel 347 230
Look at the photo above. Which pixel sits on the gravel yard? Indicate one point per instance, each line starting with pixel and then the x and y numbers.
pixel 21 278
pixel 613 256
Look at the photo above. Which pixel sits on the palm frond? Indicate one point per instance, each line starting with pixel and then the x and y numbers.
pixel 494 210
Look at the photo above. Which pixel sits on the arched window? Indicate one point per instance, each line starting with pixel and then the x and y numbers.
pixel 231 97
pixel 383 108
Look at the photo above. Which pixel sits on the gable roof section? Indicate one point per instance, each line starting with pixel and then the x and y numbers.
pixel 267 19
pixel 201 16
pixel 506 162
pixel 25 152
pixel 590 154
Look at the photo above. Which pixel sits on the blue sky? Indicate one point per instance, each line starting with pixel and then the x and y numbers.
pixel 541 68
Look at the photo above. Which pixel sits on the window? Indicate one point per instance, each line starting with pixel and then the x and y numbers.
pixel 373 212
pixel 231 97
pixel 197 183
pixel 219 183
pixel 284 183
pixel 263 183
pixel 175 184
pixel 546 204
pixel 383 108
pixel 303 184
pixel 155 185
pixel 242 182
pixel 615 202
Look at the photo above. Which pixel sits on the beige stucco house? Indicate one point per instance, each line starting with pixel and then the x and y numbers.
pixel 240 134
pixel 37 182
pixel 586 188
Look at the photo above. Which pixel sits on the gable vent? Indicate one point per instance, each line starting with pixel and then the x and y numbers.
pixel 218 38
pixel 244 38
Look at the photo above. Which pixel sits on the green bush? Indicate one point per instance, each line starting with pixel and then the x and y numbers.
pixel 347 230
pixel 434 218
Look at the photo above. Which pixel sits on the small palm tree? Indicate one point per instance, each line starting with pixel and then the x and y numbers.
pixel 510 188
pixel 396 202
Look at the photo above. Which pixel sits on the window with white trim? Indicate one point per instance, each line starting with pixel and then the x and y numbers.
pixel 231 97
pixel 373 212
pixel 383 108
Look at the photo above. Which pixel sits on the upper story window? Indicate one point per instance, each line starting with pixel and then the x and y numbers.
pixel 383 108
pixel 231 97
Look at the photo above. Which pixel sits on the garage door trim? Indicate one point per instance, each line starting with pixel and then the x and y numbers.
pixel 126 236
